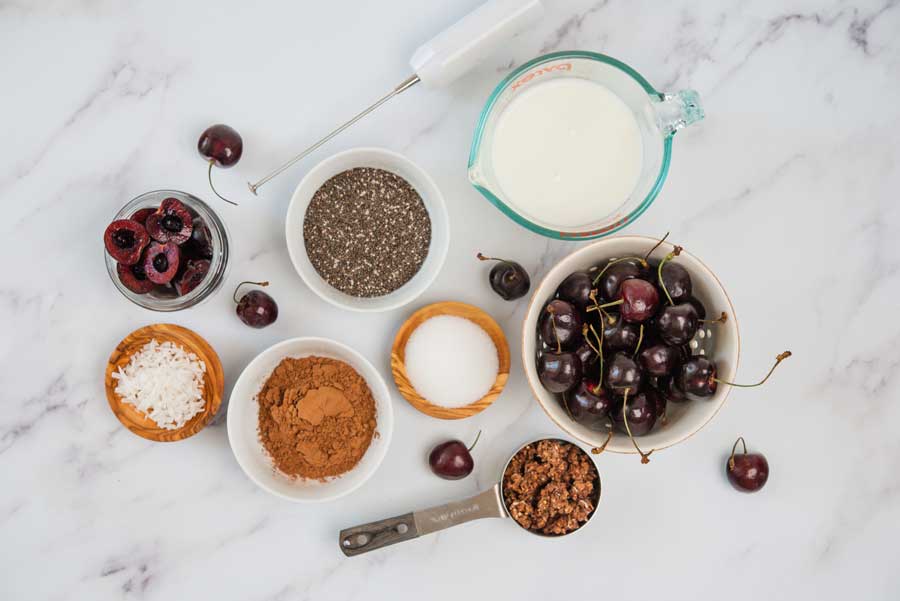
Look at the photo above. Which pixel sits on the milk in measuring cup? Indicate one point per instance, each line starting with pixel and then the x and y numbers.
pixel 567 152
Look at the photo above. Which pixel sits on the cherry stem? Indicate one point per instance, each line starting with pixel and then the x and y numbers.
pixel 555 331
pixel 238 287
pixel 778 359
pixel 596 307
pixel 597 349
pixel 209 177
pixel 734 448
pixel 645 457
pixel 640 340
pixel 611 263
pixel 600 355
pixel 601 448
pixel 655 246
pixel 476 441
pixel 611 304
pixel 675 252
pixel 584 332
pixel 721 319
pixel 481 257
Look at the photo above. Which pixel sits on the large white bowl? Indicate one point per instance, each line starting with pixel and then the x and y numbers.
pixel 417 178
pixel 684 419
pixel 243 421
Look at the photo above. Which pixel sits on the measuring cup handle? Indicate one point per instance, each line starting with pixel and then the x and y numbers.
pixel 375 535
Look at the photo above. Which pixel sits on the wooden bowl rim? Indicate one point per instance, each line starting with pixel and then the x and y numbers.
pixel 457 309
pixel 214 378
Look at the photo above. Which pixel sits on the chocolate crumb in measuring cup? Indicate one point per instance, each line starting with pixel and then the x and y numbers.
pixel 366 232
pixel 548 487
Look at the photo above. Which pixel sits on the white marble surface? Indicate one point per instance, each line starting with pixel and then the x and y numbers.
pixel 788 190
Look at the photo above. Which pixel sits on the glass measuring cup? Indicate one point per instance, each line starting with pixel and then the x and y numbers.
pixel 490 503
pixel 659 116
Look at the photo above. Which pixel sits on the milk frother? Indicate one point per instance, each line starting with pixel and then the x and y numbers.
pixel 446 57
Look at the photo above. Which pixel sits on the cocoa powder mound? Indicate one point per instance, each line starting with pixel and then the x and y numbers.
pixel 316 417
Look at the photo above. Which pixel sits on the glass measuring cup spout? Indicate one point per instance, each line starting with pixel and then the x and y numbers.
pixel 608 155
pixel 677 111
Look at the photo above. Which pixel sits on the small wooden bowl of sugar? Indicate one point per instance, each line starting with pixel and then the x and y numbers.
pixel 153 358
pixel 450 360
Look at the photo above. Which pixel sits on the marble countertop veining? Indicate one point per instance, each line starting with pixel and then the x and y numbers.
pixel 787 190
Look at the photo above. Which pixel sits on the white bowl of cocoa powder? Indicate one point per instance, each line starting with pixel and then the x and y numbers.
pixel 310 420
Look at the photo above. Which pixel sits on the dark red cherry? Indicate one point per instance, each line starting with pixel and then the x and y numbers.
pixel 701 310
pixel 747 472
pixel 171 222
pixel 194 274
pixel 697 376
pixel 619 335
pixel 559 371
pixel 507 278
pixel 660 359
pixel 256 308
pixel 677 324
pixel 639 300
pixel 576 289
pixel 623 374
pixel 220 145
pixel 667 387
pixel 134 277
pixel 587 355
pixel 125 240
pixel 199 246
pixel 677 281
pixel 560 324
pixel 616 273
pixel 141 215
pixel 161 262
pixel 642 412
pixel 452 460
pixel 588 404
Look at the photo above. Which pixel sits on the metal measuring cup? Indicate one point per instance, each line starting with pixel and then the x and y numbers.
pixel 487 504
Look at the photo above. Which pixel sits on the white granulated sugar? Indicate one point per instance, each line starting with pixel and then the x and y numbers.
pixel 164 382
pixel 451 361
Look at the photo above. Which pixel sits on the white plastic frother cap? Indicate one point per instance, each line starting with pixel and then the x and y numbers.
pixel 464 44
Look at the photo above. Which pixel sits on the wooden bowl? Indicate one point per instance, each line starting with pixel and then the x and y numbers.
pixel 213 386
pixel 398 359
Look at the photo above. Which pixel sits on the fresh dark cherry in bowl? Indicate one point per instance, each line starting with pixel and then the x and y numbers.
pixel 576 289
pixel 616 272
pixel 642 411
pixel 561 325
pixel 589 404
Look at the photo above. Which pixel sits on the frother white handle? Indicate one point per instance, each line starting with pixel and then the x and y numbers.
pixel 465 43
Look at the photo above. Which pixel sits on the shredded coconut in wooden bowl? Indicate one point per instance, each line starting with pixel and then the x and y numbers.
pixel 164 382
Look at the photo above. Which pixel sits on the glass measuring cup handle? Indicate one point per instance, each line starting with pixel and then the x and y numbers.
pixel 390 531
pixel 677 111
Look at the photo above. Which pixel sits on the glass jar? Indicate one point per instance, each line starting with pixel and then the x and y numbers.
pixel 160 299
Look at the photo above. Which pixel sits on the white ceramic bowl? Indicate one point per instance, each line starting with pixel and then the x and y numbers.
pixel 417 178
pixel 243 420
pixel 684 419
